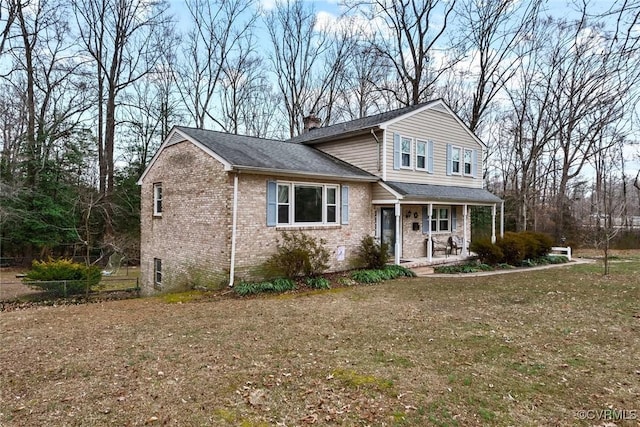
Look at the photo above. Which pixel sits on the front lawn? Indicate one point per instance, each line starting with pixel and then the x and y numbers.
pixel 546 347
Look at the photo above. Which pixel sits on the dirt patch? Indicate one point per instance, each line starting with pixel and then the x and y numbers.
pixel 11 287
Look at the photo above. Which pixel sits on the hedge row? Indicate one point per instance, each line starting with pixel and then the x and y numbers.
pixel 513 248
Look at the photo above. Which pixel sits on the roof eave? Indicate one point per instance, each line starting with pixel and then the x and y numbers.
pixel 339 136
pixel 302 174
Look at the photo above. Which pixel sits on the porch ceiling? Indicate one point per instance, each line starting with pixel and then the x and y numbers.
pixel 443 193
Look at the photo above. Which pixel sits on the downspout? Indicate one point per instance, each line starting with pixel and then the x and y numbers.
pixel 379 147
pixel 234 221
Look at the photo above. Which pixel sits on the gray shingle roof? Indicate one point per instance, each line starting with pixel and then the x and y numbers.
pixel 245 152
pixel 443 193
pixel 355 125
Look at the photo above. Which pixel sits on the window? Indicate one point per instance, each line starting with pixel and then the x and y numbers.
pixel 468 156
pixel 455 160
pixel 440 219
pixel 157 199
pixel 421 155
pixel 157 272
pixel 307 204
pixel 283 204
pixel 405 151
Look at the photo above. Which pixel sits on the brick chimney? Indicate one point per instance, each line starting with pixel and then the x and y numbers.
pixel 311 122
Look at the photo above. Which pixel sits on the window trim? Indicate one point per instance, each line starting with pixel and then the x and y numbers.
pixel 292 204
pixel 157 271
pixel 464 162
pixel 460 160
pixel 426 155
pixel 410 153
pixel 435 218
pixel 157 197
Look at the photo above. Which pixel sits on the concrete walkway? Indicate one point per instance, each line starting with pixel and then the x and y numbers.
pixel 428 271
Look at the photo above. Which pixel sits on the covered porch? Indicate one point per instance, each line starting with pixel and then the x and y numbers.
pixel 426 224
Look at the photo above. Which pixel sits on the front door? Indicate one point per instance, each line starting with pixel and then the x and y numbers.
pixel 388 228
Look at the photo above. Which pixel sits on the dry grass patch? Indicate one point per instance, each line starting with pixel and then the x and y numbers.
pixel 528 348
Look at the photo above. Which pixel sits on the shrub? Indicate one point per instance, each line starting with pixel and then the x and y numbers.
pixel 398 271
pixel 298 255
pixel 464 268
pixel 63 276
pixel 372 255
pixel 367 276
pixel 488 253
pixel 387 273
pixel 541 244
pixel 317 283
pixel 275 285
pixel 513 248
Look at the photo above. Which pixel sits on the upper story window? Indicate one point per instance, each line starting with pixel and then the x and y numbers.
pixel 468 159
pixel 455 160
pixel 157 199
pixel 421 155
pixel 307 204
pixel 405 152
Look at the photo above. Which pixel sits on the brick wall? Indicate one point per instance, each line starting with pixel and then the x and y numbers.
pixel 192 236
pixel 413 241
pixel 256 242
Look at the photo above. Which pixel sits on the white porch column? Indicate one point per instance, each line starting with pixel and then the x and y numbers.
pixel 465 237
pixel 502 220
pixel 396 250
pixel 429 241
pixel 493 224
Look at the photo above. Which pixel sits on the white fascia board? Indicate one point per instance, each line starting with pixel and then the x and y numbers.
pixel 391 190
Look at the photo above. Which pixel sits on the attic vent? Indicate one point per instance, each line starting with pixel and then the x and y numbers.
pixel 311 122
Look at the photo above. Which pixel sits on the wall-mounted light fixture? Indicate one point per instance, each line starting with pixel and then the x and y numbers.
pixel 408 214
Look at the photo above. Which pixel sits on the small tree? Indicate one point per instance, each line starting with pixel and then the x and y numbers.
pixel 298 255
pixel 371 254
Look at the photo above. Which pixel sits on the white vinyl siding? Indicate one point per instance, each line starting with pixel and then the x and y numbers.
pixel 362 151
pixel 442 129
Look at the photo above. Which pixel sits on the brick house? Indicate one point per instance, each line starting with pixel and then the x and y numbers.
pixel 214 204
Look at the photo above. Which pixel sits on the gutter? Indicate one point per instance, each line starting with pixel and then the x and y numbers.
pixel 234 221
pixel 302 174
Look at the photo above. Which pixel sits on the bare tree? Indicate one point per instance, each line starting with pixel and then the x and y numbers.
pixel 118 35
pixel 297 49
pixel 8 11
pixel 219 28
pixel 493 32
pixel 411 32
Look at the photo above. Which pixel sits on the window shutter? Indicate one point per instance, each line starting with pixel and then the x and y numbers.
pixel 430 156
pixel 272 203
pixel 454 219
pixel 474 164
pixel 396 151
pixel 425 220
pixel 448 159
pixel 345 205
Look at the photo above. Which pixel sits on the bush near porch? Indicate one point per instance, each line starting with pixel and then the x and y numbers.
pixel 513 248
